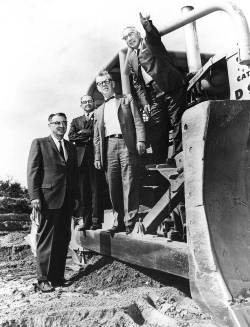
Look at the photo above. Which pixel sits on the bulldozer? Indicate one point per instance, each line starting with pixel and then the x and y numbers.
pixel 212 245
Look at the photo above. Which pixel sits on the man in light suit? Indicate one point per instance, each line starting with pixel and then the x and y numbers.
pixel 159 87
pixel 119 137
pixel 52 186
pixel 90 179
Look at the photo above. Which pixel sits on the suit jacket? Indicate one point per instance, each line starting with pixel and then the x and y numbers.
pixel 154 58
pixel 49 176
pixel 84 139
pixel 132 126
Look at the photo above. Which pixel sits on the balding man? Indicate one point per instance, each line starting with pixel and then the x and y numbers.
pixel 159 87
pixel 90 179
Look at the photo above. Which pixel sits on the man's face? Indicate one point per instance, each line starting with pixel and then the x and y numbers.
pixel 58 126
pixel 87 103
pixel 132 38
pixel 105 85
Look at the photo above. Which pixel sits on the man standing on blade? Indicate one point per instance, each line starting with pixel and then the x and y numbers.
pixel 159 87
pixel 90 179
pixel 52 186
pixel 119 137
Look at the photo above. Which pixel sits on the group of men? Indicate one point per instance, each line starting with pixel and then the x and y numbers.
pixel 65 177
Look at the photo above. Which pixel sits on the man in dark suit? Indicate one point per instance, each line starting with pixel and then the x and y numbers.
pixel 159 87
pixel 90 179
pixel 52 180
pixel 119 137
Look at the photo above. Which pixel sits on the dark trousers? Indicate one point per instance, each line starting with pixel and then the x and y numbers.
pixel 122 177
pixel 157 128
pixel 90 182
pixel 176 103
pixel 53 240
pixel 157 137
pixel 166 112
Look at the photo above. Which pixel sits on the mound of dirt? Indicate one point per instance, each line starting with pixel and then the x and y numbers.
pixel 103 293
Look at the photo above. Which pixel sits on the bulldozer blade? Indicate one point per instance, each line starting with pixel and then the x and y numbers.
pixel 216 143
pixel 147 251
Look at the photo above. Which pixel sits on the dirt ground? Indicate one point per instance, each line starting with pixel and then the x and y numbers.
pixel 104 292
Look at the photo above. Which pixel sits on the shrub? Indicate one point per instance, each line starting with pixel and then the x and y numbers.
pixel 12 189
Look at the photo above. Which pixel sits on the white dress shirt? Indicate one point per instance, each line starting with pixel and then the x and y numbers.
pixel 111 121
pixel 88 115
pixel 58 145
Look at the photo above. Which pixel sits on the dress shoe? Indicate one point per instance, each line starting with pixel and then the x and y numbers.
pixel 170 163
pixel 174 235
pixel 115 229
pixel 180 170
pixel 61 283
pixel 96 226
pixel 82 227
pixel 129 229
pixel 44 286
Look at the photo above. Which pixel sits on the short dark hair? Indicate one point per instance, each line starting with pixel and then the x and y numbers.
pixel 62 114
pixel 133 29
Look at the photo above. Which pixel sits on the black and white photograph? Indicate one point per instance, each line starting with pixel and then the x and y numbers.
pixel 125 163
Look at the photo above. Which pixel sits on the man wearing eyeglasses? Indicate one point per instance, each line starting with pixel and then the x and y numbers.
pixel 52 180
pixel 90 179
pixel 119 137
pixel 159 87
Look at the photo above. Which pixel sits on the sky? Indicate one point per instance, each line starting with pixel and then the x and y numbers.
pixel 51 50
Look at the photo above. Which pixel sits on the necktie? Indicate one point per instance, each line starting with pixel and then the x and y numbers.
pixel 139 63
pixel 137 53
pixel 61 150
pixel 110 98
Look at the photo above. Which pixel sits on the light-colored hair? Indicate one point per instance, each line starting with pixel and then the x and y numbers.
pixel 104 73
pixel 133 29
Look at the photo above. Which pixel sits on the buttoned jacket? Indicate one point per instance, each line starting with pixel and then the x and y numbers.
pixel 83 139
pixel 155 60
pixel 49 176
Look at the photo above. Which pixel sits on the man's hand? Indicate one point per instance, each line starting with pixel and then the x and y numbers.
pixel 141 147
pixel 36 204
pixel 87 131
pixel 146 109
pixel 97 164
pixel 76 206
pixel 144 19
pixel 145 22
